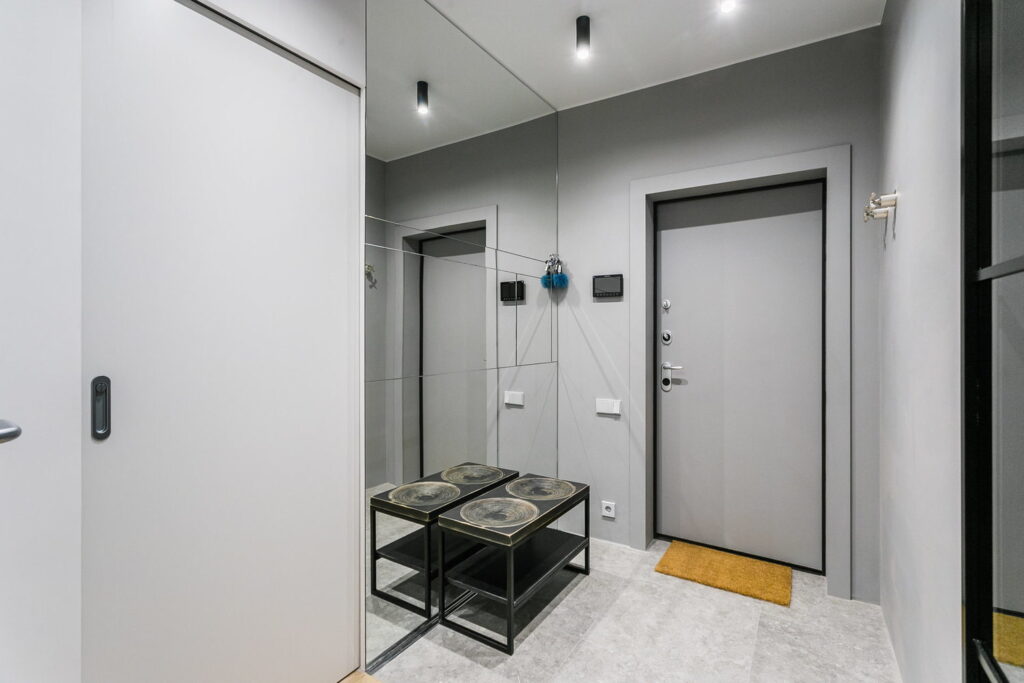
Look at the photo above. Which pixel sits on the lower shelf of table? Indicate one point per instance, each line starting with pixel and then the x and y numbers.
pixel 536 560
pixel 408 550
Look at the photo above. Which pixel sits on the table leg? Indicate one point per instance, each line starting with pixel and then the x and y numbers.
pixel 510 605
pixel 440 574
pixel 427 603
pixel 586 534
pixel 373 551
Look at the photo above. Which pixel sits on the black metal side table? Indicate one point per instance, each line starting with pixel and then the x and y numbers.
pixel 421 502
pixel 521 551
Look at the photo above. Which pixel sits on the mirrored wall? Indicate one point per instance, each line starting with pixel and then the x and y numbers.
pixel 460 336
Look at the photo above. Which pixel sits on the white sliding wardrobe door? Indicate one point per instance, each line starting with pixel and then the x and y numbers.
pixel 222 262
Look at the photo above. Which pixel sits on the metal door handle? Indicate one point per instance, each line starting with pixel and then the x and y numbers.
pixel 666 375
pixel 100 407
pixel 9 431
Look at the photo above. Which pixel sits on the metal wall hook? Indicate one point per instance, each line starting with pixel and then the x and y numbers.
pixel 882 207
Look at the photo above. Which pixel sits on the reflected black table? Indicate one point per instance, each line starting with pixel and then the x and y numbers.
pixel 421 502
pixel 521 552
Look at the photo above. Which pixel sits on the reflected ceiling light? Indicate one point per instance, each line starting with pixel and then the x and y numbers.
pixel 582 37
pixel 727 6
pixel 422 102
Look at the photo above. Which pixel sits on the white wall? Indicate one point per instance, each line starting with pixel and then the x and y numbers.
pixel 40 341
pixel 808 98
pixel 920 335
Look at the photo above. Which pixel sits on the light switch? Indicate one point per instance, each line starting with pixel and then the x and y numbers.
pixel 609 406
pixel 514 398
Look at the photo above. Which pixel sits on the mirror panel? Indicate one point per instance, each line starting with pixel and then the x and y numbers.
pixel 459 200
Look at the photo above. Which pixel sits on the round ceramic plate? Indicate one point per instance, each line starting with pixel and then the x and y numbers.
pixel 471 474
pixel 424 493
pixel 499 512
pixel 541 488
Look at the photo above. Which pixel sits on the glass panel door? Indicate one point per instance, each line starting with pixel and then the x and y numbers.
pixel 1007 361
pixel 994 340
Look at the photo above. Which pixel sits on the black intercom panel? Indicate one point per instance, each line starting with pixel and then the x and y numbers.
pixel 606 286
pixel 513 290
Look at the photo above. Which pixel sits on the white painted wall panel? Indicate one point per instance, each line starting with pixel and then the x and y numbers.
pixel 40 341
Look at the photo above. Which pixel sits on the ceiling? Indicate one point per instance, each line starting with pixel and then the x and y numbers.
pixel 639 43
pixel 470 93
pixel 635 44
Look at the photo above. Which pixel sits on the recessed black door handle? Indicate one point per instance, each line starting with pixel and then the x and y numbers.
pixel 100 407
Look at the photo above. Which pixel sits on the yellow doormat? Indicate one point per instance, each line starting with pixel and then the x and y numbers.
pixel 718 569
pixel 1008 634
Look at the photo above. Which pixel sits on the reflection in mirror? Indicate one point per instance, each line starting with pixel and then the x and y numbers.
pixel 460 199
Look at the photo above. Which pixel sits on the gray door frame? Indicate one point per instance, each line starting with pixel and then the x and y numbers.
pixel 833 165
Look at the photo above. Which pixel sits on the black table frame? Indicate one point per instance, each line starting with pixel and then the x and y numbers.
pixel 428 572
pixel 429 526
pixel 512 603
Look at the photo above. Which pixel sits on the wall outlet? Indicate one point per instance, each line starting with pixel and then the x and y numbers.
pixel 608 509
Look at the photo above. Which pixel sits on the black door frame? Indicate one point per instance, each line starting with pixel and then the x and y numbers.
pixel 978 276
pixel 656 370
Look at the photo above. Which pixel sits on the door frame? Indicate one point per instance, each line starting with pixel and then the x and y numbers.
pixel 485 217
pixel 655 370
pixel 833 165
pixel 441 234
pixel 978 276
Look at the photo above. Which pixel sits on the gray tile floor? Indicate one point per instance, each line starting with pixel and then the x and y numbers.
pixel 625 622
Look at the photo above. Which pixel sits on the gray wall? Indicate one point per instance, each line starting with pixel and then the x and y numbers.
pixel 807 98
pixel 920 333
pixel 40 340
pixel 513 168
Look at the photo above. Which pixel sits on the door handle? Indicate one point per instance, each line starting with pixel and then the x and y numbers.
pixel 666 375
pixel 100 407
pixel 9 431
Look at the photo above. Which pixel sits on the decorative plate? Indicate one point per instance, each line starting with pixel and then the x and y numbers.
pixel 424 493
pixel 541 488
pixel 499 512
pixel 471 474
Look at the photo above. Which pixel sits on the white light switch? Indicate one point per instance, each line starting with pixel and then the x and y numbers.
pixel 514 398
pixel 609 406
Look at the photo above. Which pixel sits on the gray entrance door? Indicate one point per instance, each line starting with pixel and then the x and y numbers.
pixel 740 436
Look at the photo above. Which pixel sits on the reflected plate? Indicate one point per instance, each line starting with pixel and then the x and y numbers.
pixel 499 512
pixel 424 493
pixel 472 474
pixel 541 488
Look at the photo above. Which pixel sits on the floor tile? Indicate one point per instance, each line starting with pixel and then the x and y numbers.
pixel 626 622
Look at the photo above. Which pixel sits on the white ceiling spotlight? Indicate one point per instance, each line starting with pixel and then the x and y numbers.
pixel 583 37
pixel 727 6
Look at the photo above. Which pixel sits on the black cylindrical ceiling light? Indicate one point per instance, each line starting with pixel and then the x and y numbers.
pixel 582 37
pixel 422 101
